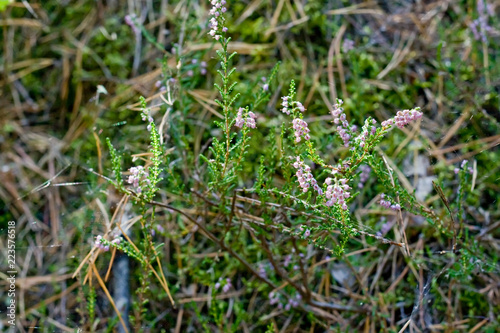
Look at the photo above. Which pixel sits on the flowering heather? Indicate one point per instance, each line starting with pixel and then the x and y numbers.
pixel 347 45
pixel 403 118
pixel 462 166
pixel 138 174
pixel 387 204
pixel 147 117
pixel 337 193
pixel 339 118
pixel 217 20
pixel 364 176
pixel 203 69
pixel 130 20
pixel 301 130
pixel 248 121
pixel 305 177
pixel 305 232
pixel 480 27
pixel 368 130
pixel 273 298
pixel 289 105
pixel 100 245
pixel 285 105
pixel 226 285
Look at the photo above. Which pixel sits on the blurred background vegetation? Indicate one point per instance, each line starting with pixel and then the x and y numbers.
pixel 378 56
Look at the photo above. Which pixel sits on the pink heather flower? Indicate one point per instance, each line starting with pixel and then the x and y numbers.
pixel 227 286
pixel 480 27
pixel 262 270
pixel 288 260
pixel 301 130
pixel 403 118
pixel 463 165
pixel 387 204
pixel 137 176
pixel 285 105
pixel 130 21
pixel 338 193
pixel 249 121
pixel 265 87
pixel 305 177
pixel 306 233
pixel 217 20
pixel 99 244
pixel 273 298
pixel 343 128
pixel 158 84
pixel 299 106
pixel 364 176
pixel 347 45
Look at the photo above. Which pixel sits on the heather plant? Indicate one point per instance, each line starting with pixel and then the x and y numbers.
pixel 327 200
pixel 243 193
pixel 311 205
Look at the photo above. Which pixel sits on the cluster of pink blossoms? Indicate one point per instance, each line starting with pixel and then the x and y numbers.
pixel 138 174
pixel 301 130
pixel 249 121
pixel 339 118
pixel 305 177
pixel 227 285
pixel 99 244
pixel 289 105
pixel 217 10
pixel 403 118
pixel 306 232
pixel 338 193
pixel 388 204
